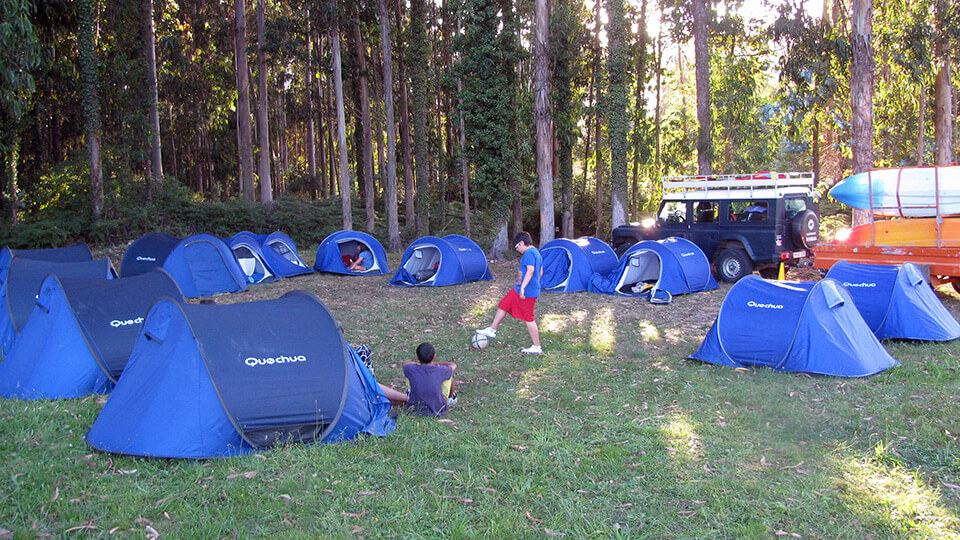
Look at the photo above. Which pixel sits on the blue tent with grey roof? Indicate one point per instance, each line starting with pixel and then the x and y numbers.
pixel 436 262
pixel 810 327
pixel 80 334
pixel 21 281
pixel 655 268
pixel 339 249
pixel 201 264
pixel 75 253
pixel 896 301
pixel 569 264
pixel 207 381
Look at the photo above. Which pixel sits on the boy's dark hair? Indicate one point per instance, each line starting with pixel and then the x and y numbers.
pixel 523 236
pixel 426 352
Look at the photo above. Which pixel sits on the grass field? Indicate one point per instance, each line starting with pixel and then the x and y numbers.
pixel 610 433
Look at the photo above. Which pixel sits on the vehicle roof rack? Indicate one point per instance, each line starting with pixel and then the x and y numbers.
pixel 763 185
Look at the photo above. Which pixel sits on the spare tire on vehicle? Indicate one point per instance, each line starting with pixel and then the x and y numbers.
pixel 806 229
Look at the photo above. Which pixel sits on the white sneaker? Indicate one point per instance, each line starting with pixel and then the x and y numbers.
pixel 452 400
pixel 533 349
pixel 489 332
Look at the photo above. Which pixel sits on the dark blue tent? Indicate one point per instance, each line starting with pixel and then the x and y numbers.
pixel 896 301
pixel 281 254
pixel 675 265
pixel 246 248
pixel 75 253
pixel 811 327
pixel 432 261
pixel 20 282
pixel 209 381
pixel 80 334
pixel 568 264
pixel 336 250
pixel 202 264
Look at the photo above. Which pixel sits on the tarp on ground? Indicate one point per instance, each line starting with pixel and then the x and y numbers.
pixel 21 282
pixel 201 264
pixel 337 249
pixel 80 334
pixel 209 381
pixel 569 264
pixel 810 327
pixel 896 301
pixel 435 262
pixel 674 264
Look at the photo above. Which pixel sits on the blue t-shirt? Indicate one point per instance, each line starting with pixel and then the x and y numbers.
pixel 426 388
pixel 531 257
pixel 367 257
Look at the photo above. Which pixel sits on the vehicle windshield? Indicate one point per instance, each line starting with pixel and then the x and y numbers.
pixel 673 212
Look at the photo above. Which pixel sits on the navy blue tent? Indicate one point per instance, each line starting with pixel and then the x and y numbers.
pixel 432 261
pixel 811 327
pixel 80 334
pixel 568 264
pixel 896 301
pixel 202 264
pixel 21 281
pixel 75 253
pixel 246 248
pixel 209 381
pixel 675 265
pixel 336 250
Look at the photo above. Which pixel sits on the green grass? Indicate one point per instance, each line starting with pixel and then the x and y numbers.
pixel 610 433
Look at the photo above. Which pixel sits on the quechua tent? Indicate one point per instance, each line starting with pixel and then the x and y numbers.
pixel 80 334
pixel 19 286
pixel 338 250
pixel 432 261
pixel 675 265
pixel 896 301
pixel 201 264
pixel 282 255
pixel 246 248
pixel 209 381
pixel 569 264
pixel 810 327
pixel 75 253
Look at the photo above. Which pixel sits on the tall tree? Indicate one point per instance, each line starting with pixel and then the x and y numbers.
pixel 345 203
pixel 544 122
pixel 245 143
pixel 701 52
pixel 153 103
pixel 861 91
pixel 948 17
pixel 263 111
pixel 366 134
pixel 418 55
pixel 618 123
pixel 90 80
pixel 390 191
pixel 406 144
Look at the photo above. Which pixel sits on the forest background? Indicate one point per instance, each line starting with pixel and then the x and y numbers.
pixel 474 116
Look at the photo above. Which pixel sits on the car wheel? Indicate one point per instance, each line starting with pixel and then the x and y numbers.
pixel 733 264
pixel 806 229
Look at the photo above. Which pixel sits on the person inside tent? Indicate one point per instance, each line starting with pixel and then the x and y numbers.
pixel 363 259
pixel 431 383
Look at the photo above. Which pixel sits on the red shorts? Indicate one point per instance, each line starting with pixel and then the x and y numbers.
pixel 518 308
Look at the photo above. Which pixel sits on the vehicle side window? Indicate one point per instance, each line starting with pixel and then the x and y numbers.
pixel 706 212
pixel 792 207
pixel 673 212
pixel 748 211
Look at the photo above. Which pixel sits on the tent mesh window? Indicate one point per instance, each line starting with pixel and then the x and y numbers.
pixel 285 251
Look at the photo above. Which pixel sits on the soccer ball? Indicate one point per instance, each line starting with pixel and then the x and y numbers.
pixel 480 342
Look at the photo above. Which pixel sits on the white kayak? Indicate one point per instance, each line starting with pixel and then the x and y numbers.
pixel 904 192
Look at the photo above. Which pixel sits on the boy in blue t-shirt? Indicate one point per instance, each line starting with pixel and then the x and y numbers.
pixel 521 301
pixel 431 383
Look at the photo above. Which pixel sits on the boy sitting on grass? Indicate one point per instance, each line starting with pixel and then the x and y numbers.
pixel 431 383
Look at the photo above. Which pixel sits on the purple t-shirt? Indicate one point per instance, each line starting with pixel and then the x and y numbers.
pixel 426 383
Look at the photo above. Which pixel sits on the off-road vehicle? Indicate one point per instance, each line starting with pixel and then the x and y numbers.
pixel 741 222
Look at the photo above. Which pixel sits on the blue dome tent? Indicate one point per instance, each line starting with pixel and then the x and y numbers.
pixel 202 264
pixel 75 253
pixel 569 264
pixel 674 265
pixel 281 373
pixel 21 281
pixel 335 251
pixel 281 255
pixel 80 334
pixel 810 327
pixel 432 261
pixel 246 248
pixel 896 301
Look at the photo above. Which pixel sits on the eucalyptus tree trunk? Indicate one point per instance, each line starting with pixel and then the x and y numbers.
pixel 861 91
pixel 263 113
pixel 366 137
pixel 345 206
pixel 390 191
pixel 244 142
pixel 598 161
pixel 943 95
pixel 418 47
pixel 617 122
pixel 701 53
pixel 150 56
pixel 311 129
pixel 89 80
pixel 406 144
pixel 544 121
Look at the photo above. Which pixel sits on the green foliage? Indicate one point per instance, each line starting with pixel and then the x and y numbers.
pixel 614 104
